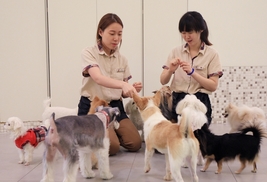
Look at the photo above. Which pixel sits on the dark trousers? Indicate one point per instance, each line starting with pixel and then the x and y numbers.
pixel 127 135
pixel 85 104
pixel 204 98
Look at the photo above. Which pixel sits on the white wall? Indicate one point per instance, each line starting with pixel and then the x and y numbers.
pixel 22 59
pixel 150 32
pixel 237 29
pixel 161 35
pixel 72 26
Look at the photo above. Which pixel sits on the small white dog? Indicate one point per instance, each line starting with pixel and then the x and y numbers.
pixel 241 116
pixel 60 111
pixel 197 115
pixel 76 137
pixel 177 142
pixel 134 115
pixel 25 139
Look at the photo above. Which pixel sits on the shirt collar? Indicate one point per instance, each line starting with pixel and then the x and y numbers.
pixel 101 50
pixel 201 49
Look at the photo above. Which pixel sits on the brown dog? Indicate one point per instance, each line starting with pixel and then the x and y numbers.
pixel 177 142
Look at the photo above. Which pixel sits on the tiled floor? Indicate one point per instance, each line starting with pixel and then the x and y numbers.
pixel 125 166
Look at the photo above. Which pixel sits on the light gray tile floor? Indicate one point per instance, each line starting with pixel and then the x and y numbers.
pixel 126 166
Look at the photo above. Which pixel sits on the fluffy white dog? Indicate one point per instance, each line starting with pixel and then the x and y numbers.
pixel 25 139
pixel 132 110
pixel 197 115
pixel 242 116
pixel 59 111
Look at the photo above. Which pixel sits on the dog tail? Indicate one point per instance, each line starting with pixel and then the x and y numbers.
pixel 185 124
pixel 52 137
pixel 47 103
pixel 257 130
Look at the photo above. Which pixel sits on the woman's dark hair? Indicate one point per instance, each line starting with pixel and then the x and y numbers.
pixel 105 21
pixel 193 21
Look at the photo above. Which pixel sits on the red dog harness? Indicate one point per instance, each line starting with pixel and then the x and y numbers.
pixel 33 136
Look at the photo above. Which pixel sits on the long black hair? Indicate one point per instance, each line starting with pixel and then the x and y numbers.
pixel 193 21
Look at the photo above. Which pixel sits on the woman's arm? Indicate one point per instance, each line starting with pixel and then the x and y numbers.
pixel 210 84
pixel 127 89
pixel 167 72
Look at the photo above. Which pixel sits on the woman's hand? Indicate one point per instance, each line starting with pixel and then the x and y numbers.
pixel 174 64
pixel 128 90
pixel 138 86
pixel 186 67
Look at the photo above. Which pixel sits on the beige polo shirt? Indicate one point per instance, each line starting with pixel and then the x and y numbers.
pixel 207 64
pixel 114 66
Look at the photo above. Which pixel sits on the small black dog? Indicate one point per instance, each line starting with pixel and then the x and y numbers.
pixel 229 146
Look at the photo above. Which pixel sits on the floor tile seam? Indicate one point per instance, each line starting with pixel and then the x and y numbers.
pixel 231 171
pixel 131 167
pixel 29 171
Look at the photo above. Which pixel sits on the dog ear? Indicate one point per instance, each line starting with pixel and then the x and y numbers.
pixel 205 127
pixel 200 106
pixel 157 98
pixel 17 124
pixel 180 106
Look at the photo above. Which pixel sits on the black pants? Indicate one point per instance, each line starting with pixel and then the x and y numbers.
pixel 204 98
pixel 85 104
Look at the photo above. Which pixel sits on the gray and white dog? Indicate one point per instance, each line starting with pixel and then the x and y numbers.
pixel 76 137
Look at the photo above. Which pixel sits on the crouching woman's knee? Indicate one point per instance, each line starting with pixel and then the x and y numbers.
pixel 129 136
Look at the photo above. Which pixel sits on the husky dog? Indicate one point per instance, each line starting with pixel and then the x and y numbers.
pixel 76 137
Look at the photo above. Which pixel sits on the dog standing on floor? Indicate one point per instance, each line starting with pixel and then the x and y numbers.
pixel 239 116
pixel 197 116
pixel 76 137
pixel 177 142
pixel 25 139
pixel 229 146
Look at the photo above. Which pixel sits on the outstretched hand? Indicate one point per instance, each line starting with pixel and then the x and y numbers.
pixel 128 90
pixel 138 86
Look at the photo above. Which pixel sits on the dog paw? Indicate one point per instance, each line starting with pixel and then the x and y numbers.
pixel 217 172
pixel 106 175
pixel 26 163
pixel 147 169
pixel 20 162
pixel 168 177
pixel 254 171
pixel 237 172
pixel 202 170
pixel 88 174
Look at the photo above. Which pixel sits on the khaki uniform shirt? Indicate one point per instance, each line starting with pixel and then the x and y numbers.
pixel 114 66
pixel 206 64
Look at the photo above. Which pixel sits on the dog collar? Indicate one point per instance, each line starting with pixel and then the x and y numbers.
pixel 107 117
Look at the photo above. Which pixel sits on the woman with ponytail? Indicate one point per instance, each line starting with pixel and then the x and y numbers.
pixel 193 66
